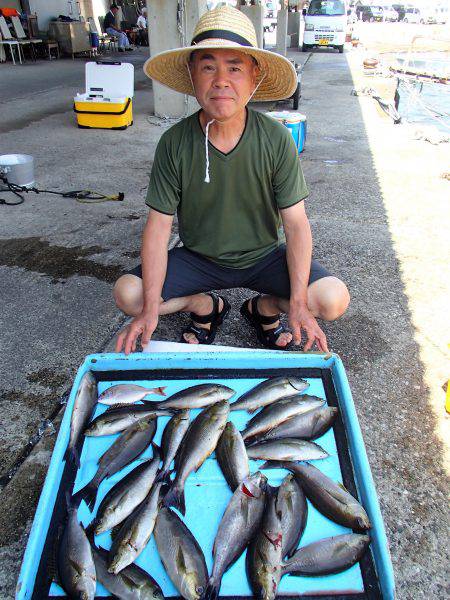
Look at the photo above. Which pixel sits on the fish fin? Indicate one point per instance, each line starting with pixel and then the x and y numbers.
pixel 175 498
pixel 272 464
pixel 90 532
pixel 115 530
pixel 160 390
pixel 342 486
pixel 88 494
pixel 162 475
pixel 52 561
pixel 212 591
pixel 179 560
pixel 72 456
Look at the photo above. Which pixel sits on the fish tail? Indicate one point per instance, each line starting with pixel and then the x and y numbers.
pixel 72 456
pixel 88 494
pixel 212 591
pixel 175 498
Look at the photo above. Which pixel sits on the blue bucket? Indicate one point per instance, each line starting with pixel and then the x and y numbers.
pixel 296 123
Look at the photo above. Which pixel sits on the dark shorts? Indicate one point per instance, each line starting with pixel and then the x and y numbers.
pixel 190 273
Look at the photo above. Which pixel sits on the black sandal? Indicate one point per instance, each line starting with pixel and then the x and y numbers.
pixel 216 318
pixel 267 337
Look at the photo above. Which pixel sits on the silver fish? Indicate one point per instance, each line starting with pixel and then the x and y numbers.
pixel 197 396
pixel 128 393
pixel 135 533
pixel 126 495
pixel 85 400
pixel 286 449
pixel 264 554
pixel 291 503
pixel 232 456
pixel 330 555
pixel 199 442
pixel 238 526
pixel 181 555
pixel 307 426
pixel 269 391
pixel 76 567
pixel 280 411
pixel 331 498
pixel 123 451
pixel 172 437
pixel 133 583
pixel 119 418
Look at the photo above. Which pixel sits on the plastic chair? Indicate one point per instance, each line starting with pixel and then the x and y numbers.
pixel 6 39
pixel 108 39
pixel 21 35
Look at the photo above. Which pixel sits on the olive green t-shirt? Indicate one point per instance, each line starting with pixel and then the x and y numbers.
pixel 234 220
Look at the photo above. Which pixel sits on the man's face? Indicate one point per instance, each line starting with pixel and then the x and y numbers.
pixel 223 80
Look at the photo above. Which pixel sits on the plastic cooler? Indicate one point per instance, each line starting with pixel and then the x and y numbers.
pixel 108 100
pixel 296 123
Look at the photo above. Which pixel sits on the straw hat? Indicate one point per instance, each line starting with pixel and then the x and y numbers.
pixel 225 28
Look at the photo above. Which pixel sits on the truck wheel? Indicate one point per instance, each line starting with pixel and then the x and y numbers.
pixel 296 97
pixel 305 48
pixel 340 48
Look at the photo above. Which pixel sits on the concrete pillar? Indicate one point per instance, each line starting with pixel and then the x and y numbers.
pixel 256 16
pixel 294 20
pixel 164 34
pixel 282 29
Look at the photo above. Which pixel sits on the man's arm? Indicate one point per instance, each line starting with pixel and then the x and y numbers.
pixel 298 253
pixel 155 241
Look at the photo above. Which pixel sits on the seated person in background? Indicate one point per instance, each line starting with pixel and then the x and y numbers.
pixel 141 24
pixel 110 27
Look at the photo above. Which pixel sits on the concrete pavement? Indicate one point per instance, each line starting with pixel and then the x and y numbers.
pixel 372 225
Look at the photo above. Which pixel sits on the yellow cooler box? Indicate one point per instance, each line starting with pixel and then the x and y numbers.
pixel 108 100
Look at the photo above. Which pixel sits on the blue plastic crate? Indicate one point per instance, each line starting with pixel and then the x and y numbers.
pixel 207 494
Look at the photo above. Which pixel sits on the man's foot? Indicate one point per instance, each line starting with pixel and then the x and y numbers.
pixel 129 49
pixel 209 315
pixel 121 50
pixel 270 332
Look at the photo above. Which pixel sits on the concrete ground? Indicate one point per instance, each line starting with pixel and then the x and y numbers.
pixel 380 222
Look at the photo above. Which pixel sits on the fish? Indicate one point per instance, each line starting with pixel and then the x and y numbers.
pixel 286 449
pixel 118 418
pixel 232 456
pixel 291 502
pixel 132 583
pixel 75 563
pixel 172 437
pixel 135 532
pixel 85 400
pixel 180 555
pixel 128 393
pixel 264 554
pixel 330 498
pixel 237 528
pixel 278 412
pixel 127 494
pixel 269 391
pixel 197 396
pixel 307 426
pixel 199 442
pixel 330 555
pixel 127 447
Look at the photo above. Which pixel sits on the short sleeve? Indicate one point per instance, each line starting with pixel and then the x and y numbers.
pixel 289 186
pixel 164 190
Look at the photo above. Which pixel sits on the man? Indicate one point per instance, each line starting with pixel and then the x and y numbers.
pixel 230 173
pixel 141 24
pixel 110 27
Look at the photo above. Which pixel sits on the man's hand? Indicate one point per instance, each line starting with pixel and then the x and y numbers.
pixel 301 318
pixel 142 327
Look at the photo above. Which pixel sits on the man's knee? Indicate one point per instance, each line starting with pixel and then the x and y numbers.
pixel 128 294
pixel 329 298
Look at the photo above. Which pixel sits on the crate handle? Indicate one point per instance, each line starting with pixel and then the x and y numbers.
pixel 108 62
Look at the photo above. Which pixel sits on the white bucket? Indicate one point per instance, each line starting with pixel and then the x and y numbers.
pixel 18 169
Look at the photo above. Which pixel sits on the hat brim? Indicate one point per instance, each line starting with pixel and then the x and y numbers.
pixel 170 68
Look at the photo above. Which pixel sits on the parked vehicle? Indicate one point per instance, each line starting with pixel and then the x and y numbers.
pixel 369 13
pixel 413 15
pixel 389 14
pixel 325 24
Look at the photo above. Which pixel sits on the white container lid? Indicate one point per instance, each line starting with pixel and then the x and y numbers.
pixel 110 79
pixel 287 116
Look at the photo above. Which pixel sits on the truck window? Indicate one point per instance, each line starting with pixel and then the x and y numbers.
pixel 326 8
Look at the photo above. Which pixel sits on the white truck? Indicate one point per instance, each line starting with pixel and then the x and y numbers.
pixel 325 24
